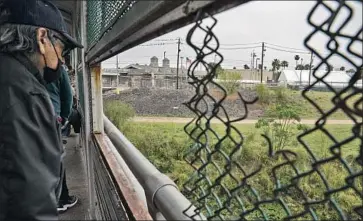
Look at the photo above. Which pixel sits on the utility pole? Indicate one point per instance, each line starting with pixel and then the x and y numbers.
pixel 177 66
pixel 186 69
pixel 310 67
pixel 262 56
pixel 256 68
pixel 301 70
pixel 253 63
pixel 181 68
pixel 253 59
pixel 116 61
pixel 117 76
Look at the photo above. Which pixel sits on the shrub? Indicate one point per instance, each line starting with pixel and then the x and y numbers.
pixel 279 123
pixel 264 95
pixel 119 113
pixel 230 81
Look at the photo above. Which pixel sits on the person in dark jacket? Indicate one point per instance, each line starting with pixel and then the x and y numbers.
pixel 60 93
pixel 33 40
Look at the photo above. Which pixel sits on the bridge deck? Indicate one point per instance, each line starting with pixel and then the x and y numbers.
pixel 76 180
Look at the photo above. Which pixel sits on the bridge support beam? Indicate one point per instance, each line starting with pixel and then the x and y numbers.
pixel 97 102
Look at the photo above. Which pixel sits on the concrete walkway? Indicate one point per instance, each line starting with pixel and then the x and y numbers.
pixel 76 180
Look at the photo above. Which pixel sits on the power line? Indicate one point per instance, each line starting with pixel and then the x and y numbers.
pixel 223 44
pixel 170 39
pixel 295 52
pixel 286 47
pixel 158 44
pixel 235 60
pixel 242 44
pixel 240 48
pixel 214 43
pixel 169 42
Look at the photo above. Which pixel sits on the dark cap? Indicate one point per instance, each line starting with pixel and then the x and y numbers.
pixel 40 13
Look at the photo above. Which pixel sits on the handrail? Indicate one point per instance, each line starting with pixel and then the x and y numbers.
pixel 162 194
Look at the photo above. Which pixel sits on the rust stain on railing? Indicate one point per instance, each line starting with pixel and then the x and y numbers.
pixel 134 203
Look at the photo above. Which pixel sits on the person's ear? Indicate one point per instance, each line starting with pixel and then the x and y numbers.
pixel 42 39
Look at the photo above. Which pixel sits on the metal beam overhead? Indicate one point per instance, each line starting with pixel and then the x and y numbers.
pixel 170 16
pixel 139 16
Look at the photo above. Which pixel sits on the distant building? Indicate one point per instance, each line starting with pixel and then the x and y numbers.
pixel 111 76
pixel 165 71
pixel 154 62
pixel 336 79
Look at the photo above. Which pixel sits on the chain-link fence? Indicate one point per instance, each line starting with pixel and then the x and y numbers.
pixel 306 182
pixel 101 15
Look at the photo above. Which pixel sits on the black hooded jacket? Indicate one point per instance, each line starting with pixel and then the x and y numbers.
pixel 30 143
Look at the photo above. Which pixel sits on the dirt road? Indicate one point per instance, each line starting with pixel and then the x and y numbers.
pixel 186 120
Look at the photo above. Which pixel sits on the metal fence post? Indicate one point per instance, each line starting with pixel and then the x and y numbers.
pixel 86 113
pixel 97 102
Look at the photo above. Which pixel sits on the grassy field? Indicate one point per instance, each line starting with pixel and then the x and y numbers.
pixel 165 145
pixel 324 101
pixel 168 147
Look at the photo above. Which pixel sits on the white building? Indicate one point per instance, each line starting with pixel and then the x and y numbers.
pixel 336 79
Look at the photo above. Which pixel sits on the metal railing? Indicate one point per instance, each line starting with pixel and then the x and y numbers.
pixel 163 197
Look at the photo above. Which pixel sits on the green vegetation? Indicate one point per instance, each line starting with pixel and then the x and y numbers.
pixel 281 118
pixel 119 113
pixel 324 100
pixel 166 145
pixel 229 80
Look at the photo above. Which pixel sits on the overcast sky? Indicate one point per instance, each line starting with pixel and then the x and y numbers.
pixel 281 24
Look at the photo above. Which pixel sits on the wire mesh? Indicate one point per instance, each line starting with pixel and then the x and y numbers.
pixel 227 185
pixel 101 15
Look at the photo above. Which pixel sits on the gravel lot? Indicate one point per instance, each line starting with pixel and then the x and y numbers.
pixel 169 102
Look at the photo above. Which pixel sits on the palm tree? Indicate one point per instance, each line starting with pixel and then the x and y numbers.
pixel 351 71
pixel 276 64
pixel 284 64
pixel 297 58
pixel 329 67
pixel 307 67
pixel 299 67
